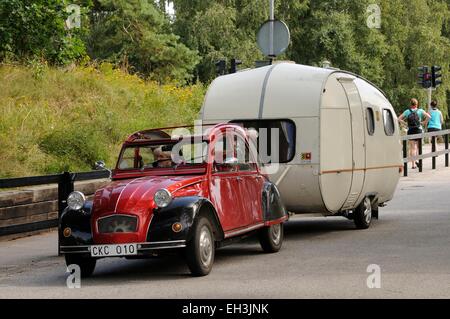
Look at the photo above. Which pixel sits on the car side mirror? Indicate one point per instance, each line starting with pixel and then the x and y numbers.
pixel 101 166
pixel 229 165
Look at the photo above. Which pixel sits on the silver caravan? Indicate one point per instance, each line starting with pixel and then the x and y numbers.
pixel 340 152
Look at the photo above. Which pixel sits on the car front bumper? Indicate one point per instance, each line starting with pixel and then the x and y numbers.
pixel 142 248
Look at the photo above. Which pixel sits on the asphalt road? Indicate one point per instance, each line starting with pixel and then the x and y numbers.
pixel 321 258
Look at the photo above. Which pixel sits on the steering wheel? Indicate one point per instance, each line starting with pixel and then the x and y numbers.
pixel 155 163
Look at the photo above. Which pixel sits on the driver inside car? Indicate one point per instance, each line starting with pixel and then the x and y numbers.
pixel 163 158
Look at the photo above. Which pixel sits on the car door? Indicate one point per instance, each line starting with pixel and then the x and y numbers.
pixel 225 185
pixel 250 183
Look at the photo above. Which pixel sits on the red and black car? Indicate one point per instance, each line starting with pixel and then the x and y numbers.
pixel 191 194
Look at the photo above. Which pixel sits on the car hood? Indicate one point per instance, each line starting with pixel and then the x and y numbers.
pixel 135 196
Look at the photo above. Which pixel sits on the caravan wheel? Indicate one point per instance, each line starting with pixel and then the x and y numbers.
pixel 363 214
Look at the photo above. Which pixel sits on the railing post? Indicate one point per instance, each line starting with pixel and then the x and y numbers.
pixel 446 147
pixel 65 187
pixel 433 149
pixel 420 153
pixel 405 156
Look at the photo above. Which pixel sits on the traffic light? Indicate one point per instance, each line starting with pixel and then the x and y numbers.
pixel 234 65
pixel 221 67
pixel 436 76
pixel 424 77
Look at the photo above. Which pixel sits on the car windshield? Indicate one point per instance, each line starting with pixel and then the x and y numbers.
pixel 170 155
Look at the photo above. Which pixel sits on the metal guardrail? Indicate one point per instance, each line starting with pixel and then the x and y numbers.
pixel 65 183
pixel 434 154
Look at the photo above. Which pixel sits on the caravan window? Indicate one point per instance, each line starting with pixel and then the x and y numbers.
pixel 388 120
pixel 276 139
pixel 370 121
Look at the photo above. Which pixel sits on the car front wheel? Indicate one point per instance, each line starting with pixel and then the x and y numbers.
pixel 86 264
pixel 271 238
pixel 200 249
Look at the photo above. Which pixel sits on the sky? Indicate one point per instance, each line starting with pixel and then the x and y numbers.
pixel 169 8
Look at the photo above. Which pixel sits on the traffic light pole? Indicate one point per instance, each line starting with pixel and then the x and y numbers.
pixel 430 93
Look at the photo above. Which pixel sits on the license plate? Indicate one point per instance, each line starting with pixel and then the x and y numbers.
pixel 113 250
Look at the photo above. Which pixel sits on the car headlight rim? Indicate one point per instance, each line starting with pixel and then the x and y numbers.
pixel 162 198
pixel 76 200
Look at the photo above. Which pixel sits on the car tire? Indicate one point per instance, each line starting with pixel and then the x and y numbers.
pixel 200 250
pixel 271 238
pixel 86 264
pixel 363 214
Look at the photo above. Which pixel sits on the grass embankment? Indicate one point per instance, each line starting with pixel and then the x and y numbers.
pixel 53 120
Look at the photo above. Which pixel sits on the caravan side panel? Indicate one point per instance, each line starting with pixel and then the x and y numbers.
pixel 383 152
pixel 298 181
pixel 294 91
pixel 235 96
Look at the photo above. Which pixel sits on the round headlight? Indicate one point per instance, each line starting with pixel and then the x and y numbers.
pixel 162 198
pixel 76 200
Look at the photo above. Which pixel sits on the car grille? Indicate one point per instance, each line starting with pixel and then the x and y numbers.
pixel 117 224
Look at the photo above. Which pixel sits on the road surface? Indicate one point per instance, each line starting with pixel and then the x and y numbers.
pixel 321 258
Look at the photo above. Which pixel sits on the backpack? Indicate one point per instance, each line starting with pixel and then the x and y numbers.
pixel 413 119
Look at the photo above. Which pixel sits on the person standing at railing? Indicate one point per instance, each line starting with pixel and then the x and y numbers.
pixel 436 121
pixel 414 119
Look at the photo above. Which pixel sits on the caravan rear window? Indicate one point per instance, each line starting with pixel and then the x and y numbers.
pixel 276 139
pixel 388 119
pixel 370 121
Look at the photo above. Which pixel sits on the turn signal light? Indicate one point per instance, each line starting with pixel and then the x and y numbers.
pixel 177 227
pixel 67 232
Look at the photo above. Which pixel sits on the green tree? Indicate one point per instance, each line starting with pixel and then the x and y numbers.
pixel 219 29
pixel 136 35
pixel 337 31
pixel 36 29
pixel 414 34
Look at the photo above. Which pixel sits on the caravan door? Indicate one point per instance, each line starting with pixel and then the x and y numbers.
pixel 358 141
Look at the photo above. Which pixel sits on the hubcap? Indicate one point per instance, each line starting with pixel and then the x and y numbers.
pixel 206 246
pixel 367 210
pixel 275 233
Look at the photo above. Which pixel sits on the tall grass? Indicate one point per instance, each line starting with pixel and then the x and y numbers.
pixel 52 120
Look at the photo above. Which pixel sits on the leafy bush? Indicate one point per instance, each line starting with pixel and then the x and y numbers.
pixel 31 29
pixel 77 147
